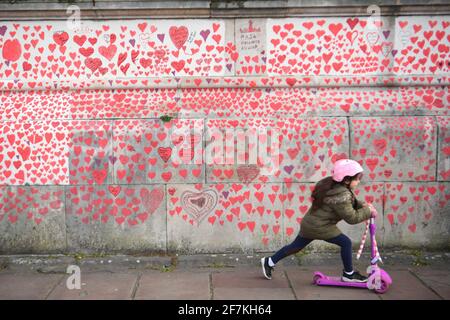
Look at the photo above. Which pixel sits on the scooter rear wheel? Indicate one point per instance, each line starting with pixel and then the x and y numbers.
pixel 316 279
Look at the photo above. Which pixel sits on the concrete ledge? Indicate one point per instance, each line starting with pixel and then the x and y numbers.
pixel 206 9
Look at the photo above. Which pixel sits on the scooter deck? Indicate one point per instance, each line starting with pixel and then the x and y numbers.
pixel 337 281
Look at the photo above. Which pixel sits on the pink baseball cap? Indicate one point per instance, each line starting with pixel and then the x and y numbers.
pixel 345 167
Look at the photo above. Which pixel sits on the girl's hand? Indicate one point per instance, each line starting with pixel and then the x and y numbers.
pixel 365 204
pixel 373 211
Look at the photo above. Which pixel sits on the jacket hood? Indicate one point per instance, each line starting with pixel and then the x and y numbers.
pixel 337 189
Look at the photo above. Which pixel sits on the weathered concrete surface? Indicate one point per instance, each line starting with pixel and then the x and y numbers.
pixel 32 219
pixel 116 218
pixel 416 214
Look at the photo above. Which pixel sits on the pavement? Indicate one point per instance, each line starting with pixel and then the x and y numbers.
pixel 416 276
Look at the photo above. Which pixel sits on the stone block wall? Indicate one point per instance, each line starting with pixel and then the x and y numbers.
pixel 87 165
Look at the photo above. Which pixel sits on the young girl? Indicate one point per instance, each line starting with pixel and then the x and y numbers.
pixel 333 200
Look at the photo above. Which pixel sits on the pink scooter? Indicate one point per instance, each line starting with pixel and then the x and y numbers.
pixel 379 280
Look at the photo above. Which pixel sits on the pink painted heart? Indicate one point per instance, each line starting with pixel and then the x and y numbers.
pixel 247 173
pixel 152 199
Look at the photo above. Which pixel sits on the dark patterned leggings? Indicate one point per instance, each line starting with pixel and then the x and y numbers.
pixel 299 243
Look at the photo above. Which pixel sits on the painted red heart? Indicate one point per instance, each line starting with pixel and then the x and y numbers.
pixel 108 52
pixel 178 65
pixel 12 50
pixel 61 37
pixel 165 153
pixel 93 63
pixel 178 35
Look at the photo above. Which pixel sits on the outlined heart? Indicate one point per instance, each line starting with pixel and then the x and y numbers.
pixel 199 204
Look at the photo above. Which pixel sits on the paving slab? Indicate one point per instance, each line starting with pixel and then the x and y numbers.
pixel 406 286
pixel 176 285
pixel 31 286
pixel 253 294
pixel 248 278
pixel 97 286
pixel 250 283
pixel 436 279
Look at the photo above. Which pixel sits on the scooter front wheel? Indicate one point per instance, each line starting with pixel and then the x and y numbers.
pixel 384 286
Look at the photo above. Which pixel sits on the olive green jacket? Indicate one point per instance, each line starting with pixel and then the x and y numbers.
pixel 338 204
